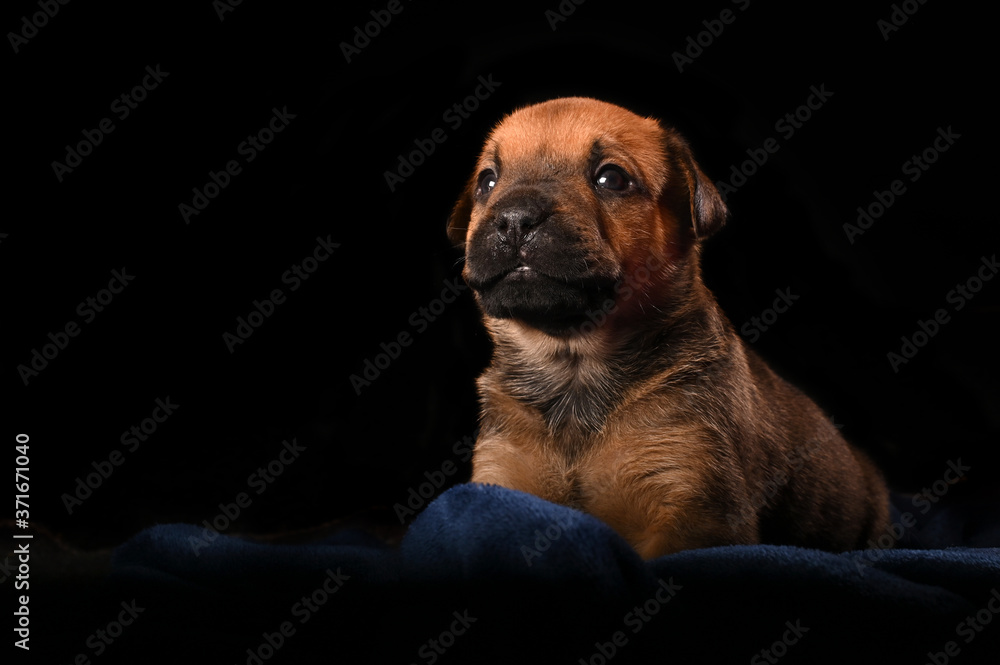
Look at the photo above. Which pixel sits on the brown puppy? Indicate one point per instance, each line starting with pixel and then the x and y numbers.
pixel 617 384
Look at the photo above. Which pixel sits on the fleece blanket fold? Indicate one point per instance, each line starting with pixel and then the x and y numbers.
pixel 487 575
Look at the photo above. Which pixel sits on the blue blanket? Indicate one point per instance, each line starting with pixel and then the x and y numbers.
pixel 487 575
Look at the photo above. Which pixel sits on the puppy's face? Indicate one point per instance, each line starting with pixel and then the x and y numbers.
pixel 569 199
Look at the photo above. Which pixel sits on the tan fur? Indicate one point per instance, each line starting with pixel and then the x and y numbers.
pixel 655 417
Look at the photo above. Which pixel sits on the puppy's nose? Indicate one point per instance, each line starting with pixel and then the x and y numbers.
pixel 515 222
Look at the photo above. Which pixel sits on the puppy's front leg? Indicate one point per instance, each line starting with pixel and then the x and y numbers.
pixel 664 494
pixel 670 523
pixel 520 466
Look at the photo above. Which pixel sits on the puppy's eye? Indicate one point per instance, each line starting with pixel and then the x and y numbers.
pixel 487 181
pixel 612 177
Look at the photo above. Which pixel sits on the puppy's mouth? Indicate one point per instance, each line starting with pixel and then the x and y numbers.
pixel 555 304
pixel 521 273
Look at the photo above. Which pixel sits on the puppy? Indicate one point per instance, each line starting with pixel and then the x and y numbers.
pixel 617 385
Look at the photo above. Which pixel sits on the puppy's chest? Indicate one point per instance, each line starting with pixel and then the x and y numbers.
pixel 573 395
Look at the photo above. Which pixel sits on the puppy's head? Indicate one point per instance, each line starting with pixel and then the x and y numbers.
pixel 575 203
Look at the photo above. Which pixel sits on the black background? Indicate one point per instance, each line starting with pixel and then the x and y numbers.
pixel 324 176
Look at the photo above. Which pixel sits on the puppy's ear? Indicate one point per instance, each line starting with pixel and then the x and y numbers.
pixel 707 209
pixel 461 215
